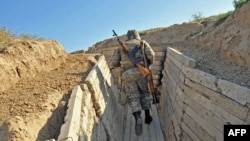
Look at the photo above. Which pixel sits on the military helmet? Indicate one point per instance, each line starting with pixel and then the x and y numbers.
pixel 133 37
pixel 133 34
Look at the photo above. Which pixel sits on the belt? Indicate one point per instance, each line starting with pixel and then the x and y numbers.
pixel 128 68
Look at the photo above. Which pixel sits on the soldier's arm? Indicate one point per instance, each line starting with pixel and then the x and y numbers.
pixel 149 53
pixel 115 62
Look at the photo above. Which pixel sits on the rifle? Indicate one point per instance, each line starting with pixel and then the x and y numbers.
pixel 153 90
pixel 144 71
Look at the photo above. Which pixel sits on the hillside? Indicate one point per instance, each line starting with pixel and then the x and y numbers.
pixel 219 49
pixel 38 76
pixel 224 50
pixel 37 79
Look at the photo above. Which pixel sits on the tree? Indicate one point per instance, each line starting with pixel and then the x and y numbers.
pixel 197 16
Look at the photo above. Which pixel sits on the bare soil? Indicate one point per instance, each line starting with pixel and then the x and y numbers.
pixel 212 62
pixel 34 108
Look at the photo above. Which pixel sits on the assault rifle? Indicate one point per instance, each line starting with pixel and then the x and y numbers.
pixel 144 71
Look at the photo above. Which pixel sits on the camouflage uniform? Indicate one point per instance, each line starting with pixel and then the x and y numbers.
pixel 134 85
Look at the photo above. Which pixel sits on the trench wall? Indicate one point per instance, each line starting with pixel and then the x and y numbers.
pixel 196 105
pixel 93 108
pixel 157 66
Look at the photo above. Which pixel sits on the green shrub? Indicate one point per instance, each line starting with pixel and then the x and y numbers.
pixel 239 3
pixel 222 17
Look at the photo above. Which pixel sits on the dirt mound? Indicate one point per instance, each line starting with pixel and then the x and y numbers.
pixel 223 50
pixel 33 106
pixel 26 58
pixel 232 37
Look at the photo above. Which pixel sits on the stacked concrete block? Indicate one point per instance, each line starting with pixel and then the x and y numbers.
pixel 104 96
pixel 236 92
pixel 71 125
pixel 116 73
pixel 157 66
pixel 172 94
pixel 88 116
pixel 94 80
pixel 108 54
pixel 196 105
pixel 92 114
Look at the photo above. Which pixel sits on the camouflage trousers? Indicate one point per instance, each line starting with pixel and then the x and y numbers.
pixel 135 87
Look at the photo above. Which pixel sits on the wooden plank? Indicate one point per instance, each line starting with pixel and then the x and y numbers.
pixel 132 128
pixel 151 132
pixel 126 136
pixel 145 133
pixel 157 125
pixel 152 135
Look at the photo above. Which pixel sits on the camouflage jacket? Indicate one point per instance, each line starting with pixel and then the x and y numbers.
pixel 120 59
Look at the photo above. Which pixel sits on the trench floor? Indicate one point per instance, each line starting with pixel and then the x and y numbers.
pixel 151 132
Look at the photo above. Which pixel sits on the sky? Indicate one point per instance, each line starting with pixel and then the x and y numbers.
pixel 79 24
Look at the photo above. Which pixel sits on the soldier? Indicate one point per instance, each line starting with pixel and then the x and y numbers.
pixel 134 85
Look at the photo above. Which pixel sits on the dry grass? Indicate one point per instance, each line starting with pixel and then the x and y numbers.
pixel 6 36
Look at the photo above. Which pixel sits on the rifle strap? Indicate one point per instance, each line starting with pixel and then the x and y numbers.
pixel 132 52
pixel 145 59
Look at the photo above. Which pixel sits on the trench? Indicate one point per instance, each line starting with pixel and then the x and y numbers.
pixel 194 105
pixel 94 112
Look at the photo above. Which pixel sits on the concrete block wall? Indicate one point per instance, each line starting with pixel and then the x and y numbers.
pixel 196 105
pixel 93 107
pixel 70 128
pixel 157 66
pixel 107 48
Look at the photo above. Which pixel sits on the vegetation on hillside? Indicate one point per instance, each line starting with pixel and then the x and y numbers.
pixel 142 33
pixel 220 18
pixel 239 3
pixel 197 17
pixel 6 36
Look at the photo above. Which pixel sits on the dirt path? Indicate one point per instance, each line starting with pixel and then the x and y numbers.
pixel 36 106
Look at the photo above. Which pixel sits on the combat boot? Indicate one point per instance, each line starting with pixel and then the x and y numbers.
pixel 148 117
pixel 138 123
